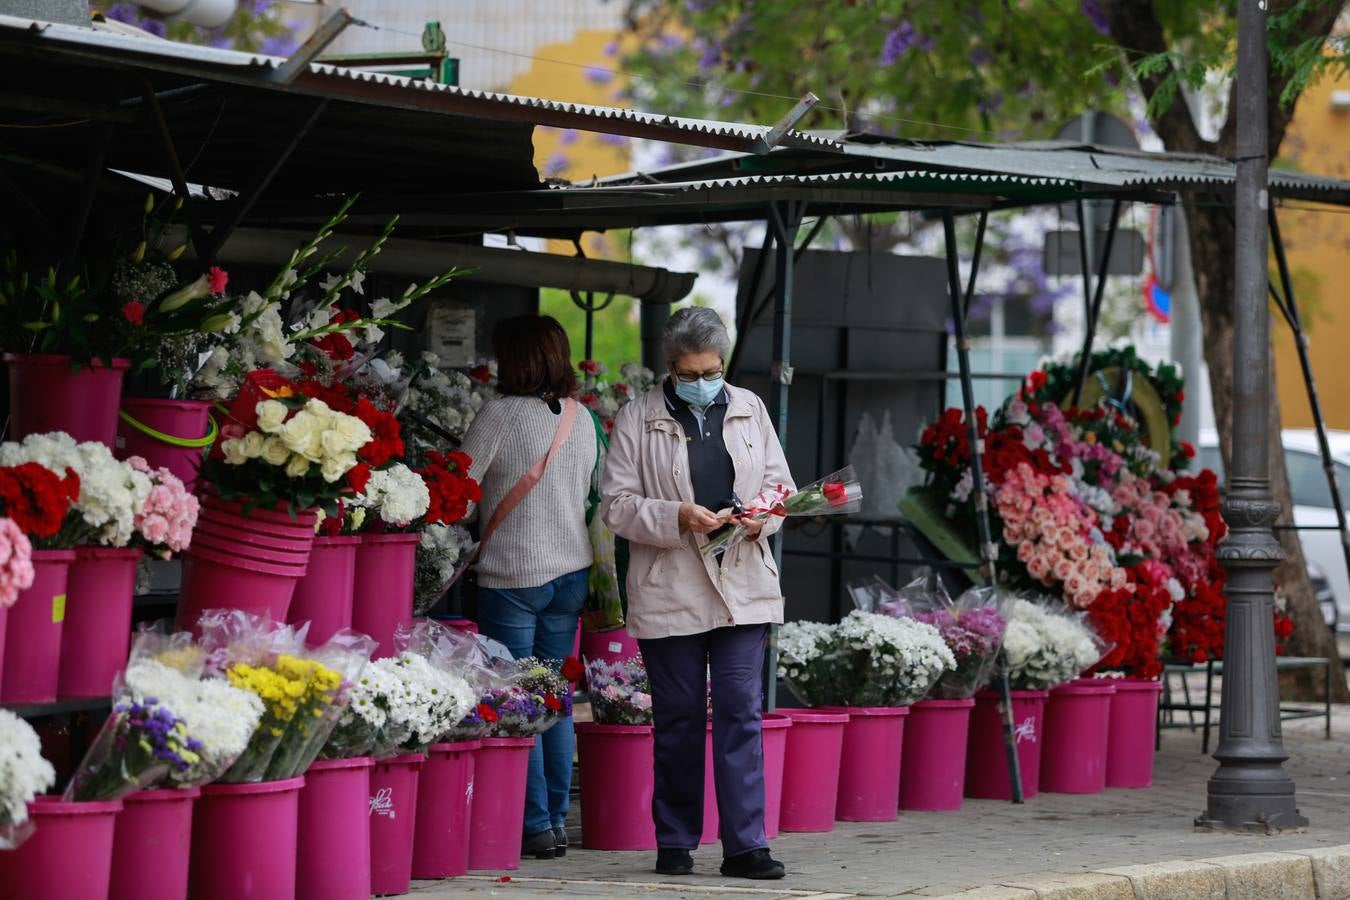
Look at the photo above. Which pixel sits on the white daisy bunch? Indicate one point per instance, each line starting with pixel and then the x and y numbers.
pixel 366 725
pixel 433 699
pixel 401 702
pixel 895 661
pixel 23 775
pixel 397 494
pixel 441 552
pixel 112 492
pixel 219 716
pixel 1044 648
pixel 314 435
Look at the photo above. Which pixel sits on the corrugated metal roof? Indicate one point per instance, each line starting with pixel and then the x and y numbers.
pixel 984 182
pixel 393 90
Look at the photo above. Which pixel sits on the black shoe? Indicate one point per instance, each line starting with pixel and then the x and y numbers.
pixel 560 841
pixel 540 845
pixel 756 864
pixel 674 862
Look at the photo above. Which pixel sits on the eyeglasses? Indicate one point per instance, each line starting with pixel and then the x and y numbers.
pixel 691 377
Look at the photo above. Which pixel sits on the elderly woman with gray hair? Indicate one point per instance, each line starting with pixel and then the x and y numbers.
pixel 680 459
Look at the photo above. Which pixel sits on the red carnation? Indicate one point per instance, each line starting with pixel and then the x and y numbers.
pixel 335 347
pixel 572 669
pixel 134 312
pixel 481 374
pixel 552 702
pixel 358 476
pixel 217 278
pixel 487 713
pixel 589 366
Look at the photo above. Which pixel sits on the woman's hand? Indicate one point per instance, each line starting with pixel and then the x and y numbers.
pixel 698 519
pixel 752 525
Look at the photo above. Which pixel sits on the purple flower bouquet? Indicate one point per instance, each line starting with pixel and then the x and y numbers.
pixel 972 628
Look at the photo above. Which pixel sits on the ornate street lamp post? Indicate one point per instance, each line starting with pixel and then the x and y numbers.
pixel 1250 790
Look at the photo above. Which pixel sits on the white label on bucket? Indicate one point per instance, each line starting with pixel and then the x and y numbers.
pixel 58 608
pixel 382 804
pixel 615 647
pixel 1026 730
pixel 468 792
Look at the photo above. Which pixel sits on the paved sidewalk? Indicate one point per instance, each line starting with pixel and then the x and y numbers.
pixel 990 843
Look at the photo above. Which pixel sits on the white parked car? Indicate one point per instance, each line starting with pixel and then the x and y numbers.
pixel 1313 511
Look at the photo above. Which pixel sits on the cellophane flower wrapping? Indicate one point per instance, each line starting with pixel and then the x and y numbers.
pixel 837 494
pixel 865 660
pixel 620 692
pixel 973 626
pixel 443 554
pixel 536 700
pixel 330 671
pixel 1046 645
pixel 168 726
pixel 24 774
pixel 268 659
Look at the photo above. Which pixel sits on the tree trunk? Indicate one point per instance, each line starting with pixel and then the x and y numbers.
pixel 1211 238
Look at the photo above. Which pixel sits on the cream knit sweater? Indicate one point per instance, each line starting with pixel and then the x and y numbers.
pixel 544 537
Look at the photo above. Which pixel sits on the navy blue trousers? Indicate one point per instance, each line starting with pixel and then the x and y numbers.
pixel 680 669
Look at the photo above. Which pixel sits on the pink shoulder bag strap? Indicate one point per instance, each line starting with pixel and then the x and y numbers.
pixel 531 478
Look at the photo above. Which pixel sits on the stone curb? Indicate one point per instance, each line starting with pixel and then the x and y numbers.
pixel 1319 873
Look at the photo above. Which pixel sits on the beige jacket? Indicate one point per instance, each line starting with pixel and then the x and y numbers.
pixel 673 589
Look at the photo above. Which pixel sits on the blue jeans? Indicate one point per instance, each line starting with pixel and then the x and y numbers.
pixel 542 622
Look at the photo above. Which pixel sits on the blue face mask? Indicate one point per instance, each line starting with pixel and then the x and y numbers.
pixel 698 393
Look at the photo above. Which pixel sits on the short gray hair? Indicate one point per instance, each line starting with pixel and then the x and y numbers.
pixel 695 329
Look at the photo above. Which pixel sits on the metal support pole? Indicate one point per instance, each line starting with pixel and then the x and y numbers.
pixel 651 323
pixel 155 113
pixel 1094 309
pixel 754 303
pixel 784 219
pixel 1250 790
pixel 1290 308
pixel 978 496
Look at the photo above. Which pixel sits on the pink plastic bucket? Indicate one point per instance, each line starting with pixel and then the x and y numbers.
pixel 152 844
pixel 811 770
pixel 987 763
pixel 393 817
pixel 467 626
pixel 244 841
pixel 933 776
pixel 255 545
pixel 97 632
pixel 498 814
pixel 775 731
pixel 187 421
pixel 33 634
pixel 382 594
pixel 1134 720
pixel 323 598
pixel 214 581
pixel 869 763
pixel 444 801
pixel 332 859
pixel 616 786
pixel 68 856
pixel 47 394
pixel 4 626
pixel 1077 730
pixel 611 646
pixel 276 522
pixel 710 815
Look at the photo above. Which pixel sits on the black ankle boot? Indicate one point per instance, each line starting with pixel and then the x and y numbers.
pixel 539 844
pixel 674 862
pixel 756 864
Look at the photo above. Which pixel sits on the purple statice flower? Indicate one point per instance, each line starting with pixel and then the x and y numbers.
pixel 1095 16
pixel 899 41
pixel 599 75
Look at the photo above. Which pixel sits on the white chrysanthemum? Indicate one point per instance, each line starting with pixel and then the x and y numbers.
pixel 398 493
pixel 1044 649
pixel 217 714
pixel 430 700
pixel 23 772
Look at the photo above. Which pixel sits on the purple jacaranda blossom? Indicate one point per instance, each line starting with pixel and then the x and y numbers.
pixel 599 75
pixel 990 103
pixel 726 99
pixel 569 137
pixel 711 55
pixel 1095 16
pixel 615 140
pixel 555 165
pixel 980 56
pixel 281 45
pixel 612 48
pixel 670 42
pixel 899 41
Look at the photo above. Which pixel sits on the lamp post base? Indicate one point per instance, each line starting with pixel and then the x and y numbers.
pixel 1281 823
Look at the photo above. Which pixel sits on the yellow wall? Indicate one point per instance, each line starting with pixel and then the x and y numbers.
pixel 1319 249
pixel 578 76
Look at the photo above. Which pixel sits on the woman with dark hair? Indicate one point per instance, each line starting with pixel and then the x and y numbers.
pixel 534 452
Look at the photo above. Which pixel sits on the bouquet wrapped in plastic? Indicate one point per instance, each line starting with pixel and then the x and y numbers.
pixel 329 672
pixel 621 692
pixel 834 495
pixel 168 726
pixel 537 699
pixel 972 627
pixel 1046 645
pixel 491 674
pixel 24 774
pixel 865 660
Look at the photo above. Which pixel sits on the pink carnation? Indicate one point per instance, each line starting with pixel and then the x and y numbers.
pixel 166 520
pixel 16 562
